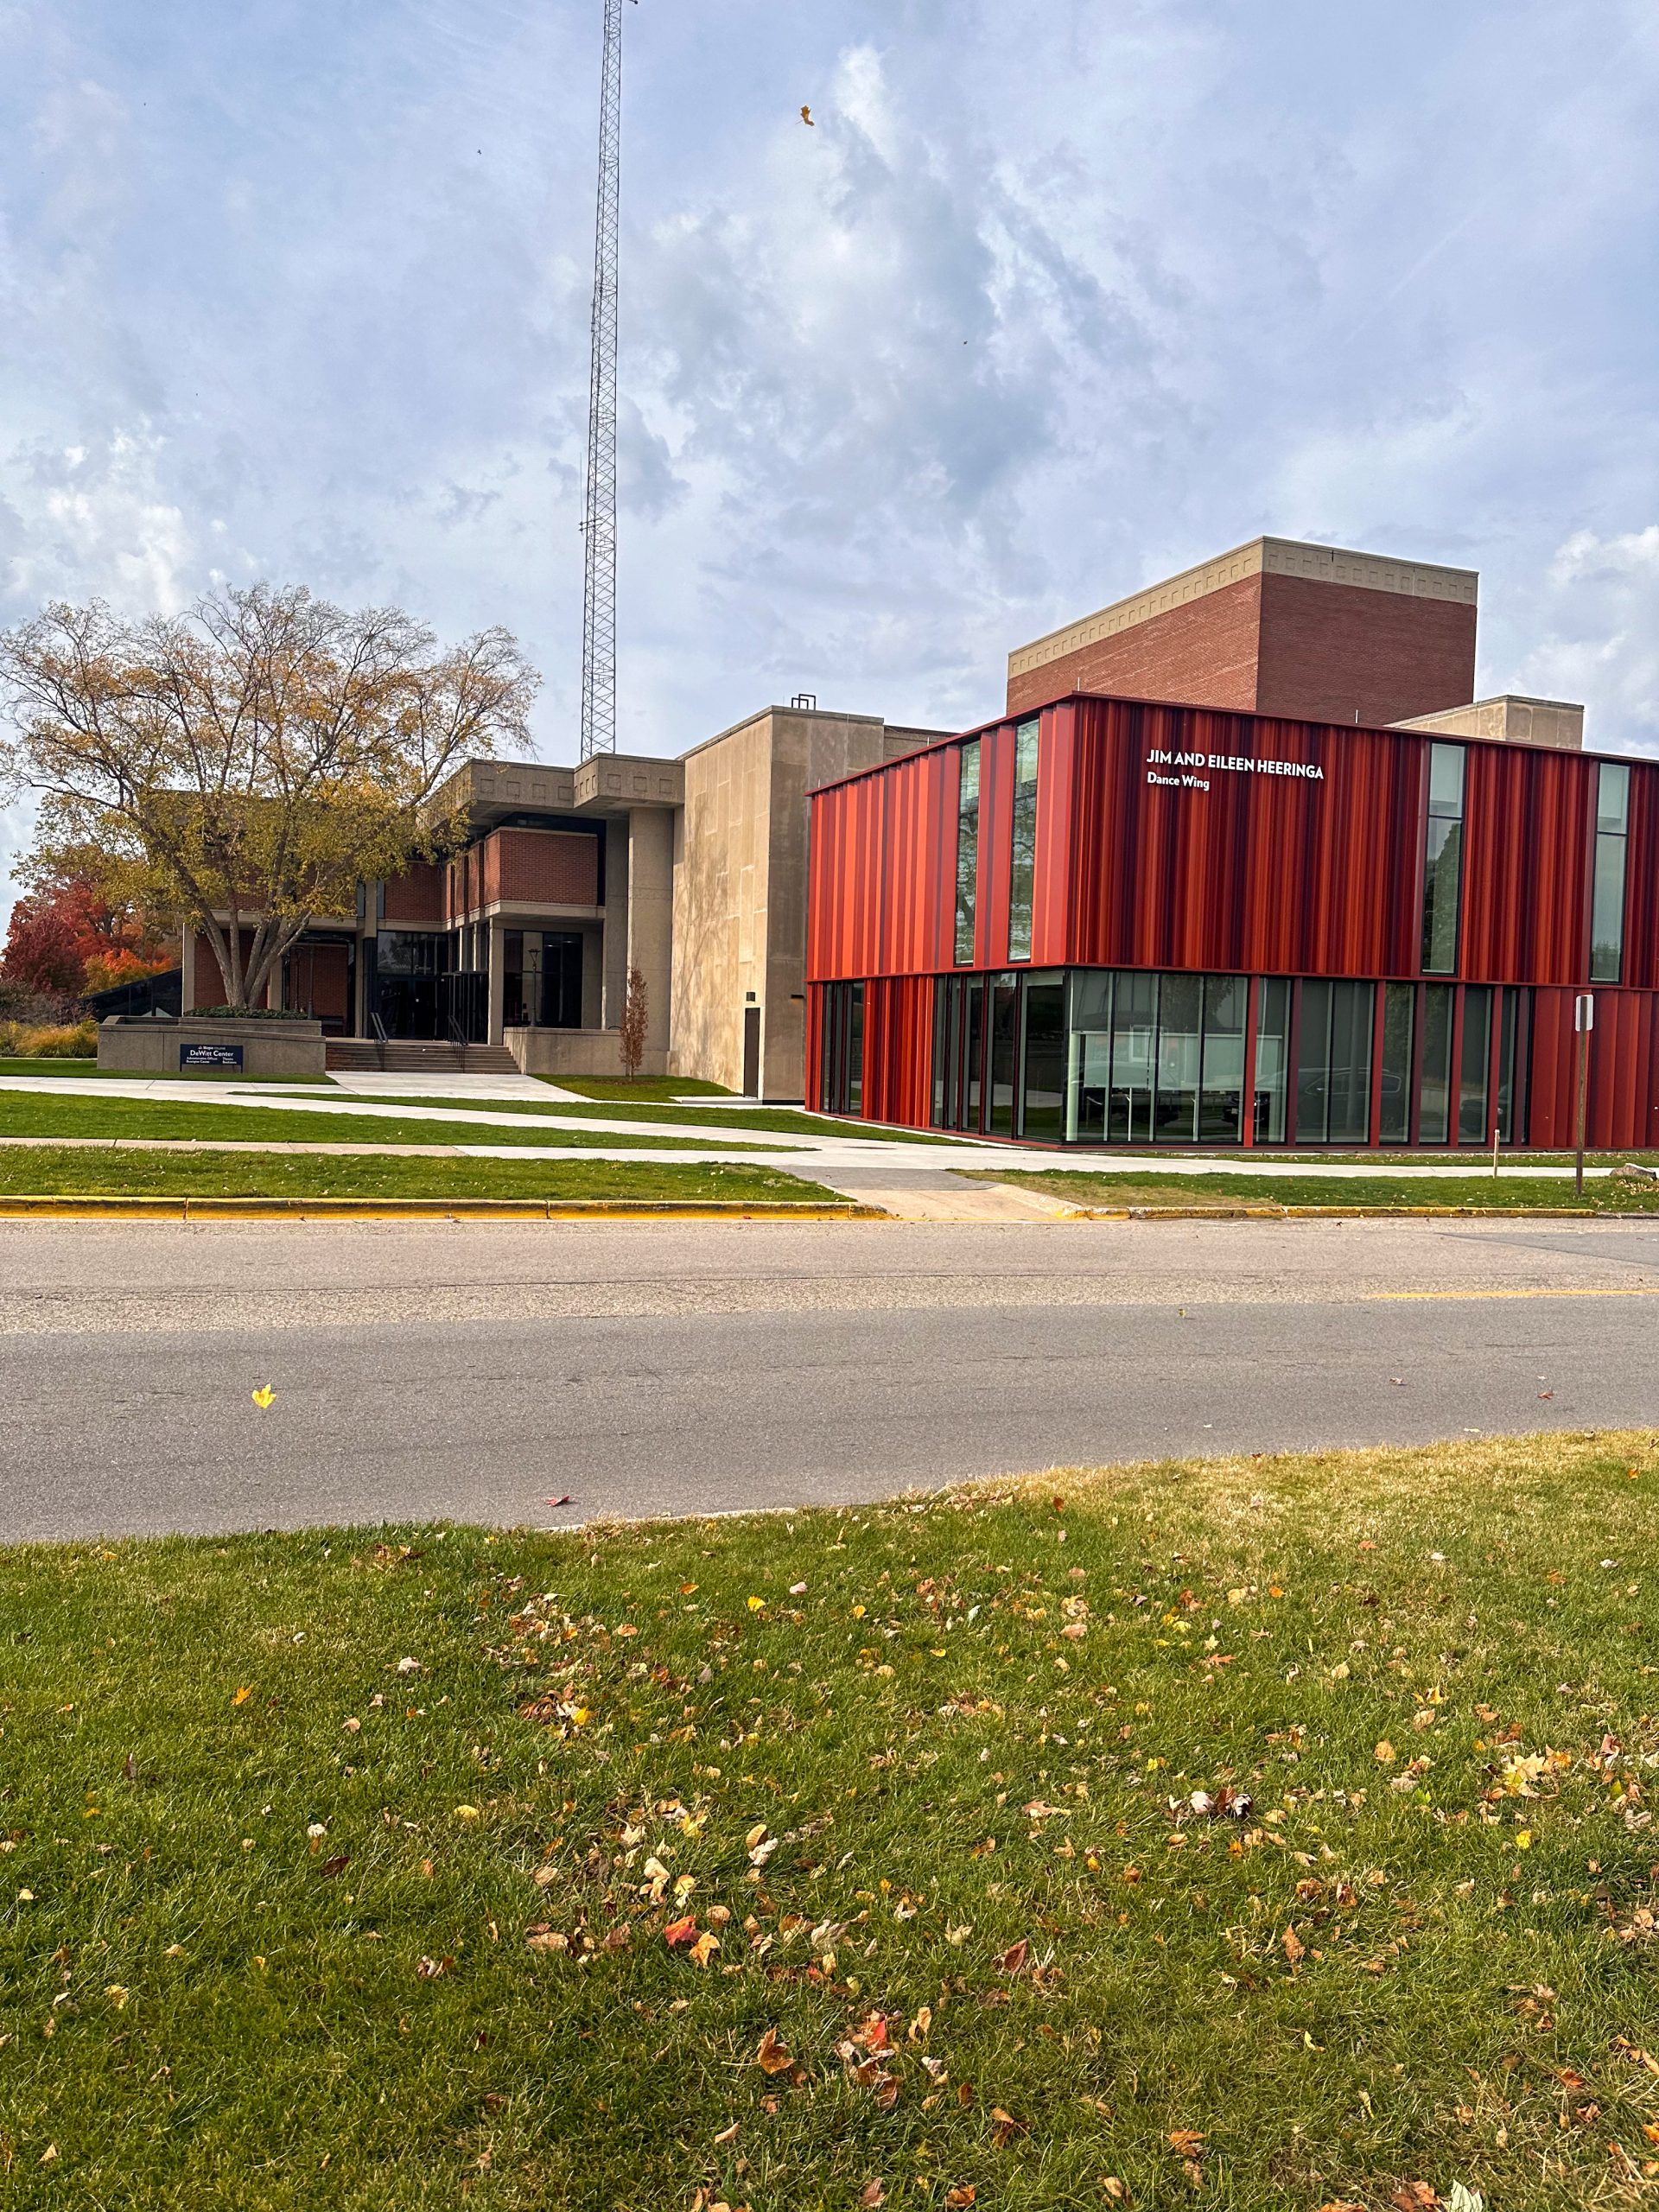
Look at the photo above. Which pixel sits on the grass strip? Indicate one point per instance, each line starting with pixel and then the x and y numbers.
pixel 47 1172
pixel 646 1087
pixel 778 1121
pixel 38 1114
pixel 1509 1193
pixel 1271 1833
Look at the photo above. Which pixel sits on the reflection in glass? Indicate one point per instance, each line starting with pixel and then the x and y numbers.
pixel 1443 860
pixel 1180 1035
pixel 1042 1104
pixel 1022 871
pixel 1135 1020
pixel 1004 1047
pixel 1399 1020
pixel 1272 1060
pixel 1475 1074
pixel 1434 1103
pixel 1607 903
pixel 1088 1057
pixel 967 851
pixel 1353 1012
pixel 1221 1093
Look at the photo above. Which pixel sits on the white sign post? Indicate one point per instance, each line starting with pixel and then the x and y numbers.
pixel 1584 1021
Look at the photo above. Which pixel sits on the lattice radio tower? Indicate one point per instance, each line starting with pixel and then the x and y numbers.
pixel 599 525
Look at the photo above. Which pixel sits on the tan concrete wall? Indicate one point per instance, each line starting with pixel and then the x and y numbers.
pixel 294 1048
pixel 740 887
pixel 651 915
pixel 575 1051
pixel 1511 720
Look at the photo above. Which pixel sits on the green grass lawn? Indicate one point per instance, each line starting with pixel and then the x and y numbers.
pixel 1272 1834
pixel 778 1120
pixel 647 1087
pixel 1510 1191
pixel 38 1114
pixel 48 1171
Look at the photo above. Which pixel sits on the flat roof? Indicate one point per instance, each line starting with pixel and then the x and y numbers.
pixel 1273 557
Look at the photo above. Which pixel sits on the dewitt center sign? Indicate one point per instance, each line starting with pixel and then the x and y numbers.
pixel 1226 764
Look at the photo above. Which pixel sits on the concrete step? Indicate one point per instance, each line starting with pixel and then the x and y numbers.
pixel 355 1055
pixel 487 1060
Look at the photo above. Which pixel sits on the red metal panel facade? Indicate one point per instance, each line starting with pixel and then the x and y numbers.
pixel 1526 895
pixel 1188 839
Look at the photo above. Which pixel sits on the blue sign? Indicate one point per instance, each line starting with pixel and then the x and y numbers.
pixel 210 1056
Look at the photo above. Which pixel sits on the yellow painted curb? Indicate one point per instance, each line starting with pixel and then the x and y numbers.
pixel 1264 1211
pixel 219 1209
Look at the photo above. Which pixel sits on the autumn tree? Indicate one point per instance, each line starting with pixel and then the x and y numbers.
pixel 41 956
pixel 245 766
pixel 116 941
pixel 630 1044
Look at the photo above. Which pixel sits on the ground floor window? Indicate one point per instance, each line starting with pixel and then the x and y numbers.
pixel 842 1072
pixel 543 979
pixel 1128 1057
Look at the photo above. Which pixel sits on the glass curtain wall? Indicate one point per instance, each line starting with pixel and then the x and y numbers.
pixel 967 851
pixel 1333 1062
pixel 841 1076
pixel 1443 860
pixel 1607 906
pixel 1128 1058
pixel 1023 867
pixel 1435 1096
pixel 1399 1035
pixel 1272 1060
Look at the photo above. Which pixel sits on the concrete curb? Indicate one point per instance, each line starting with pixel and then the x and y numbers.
pixel 486 1210
pixel 1263 1212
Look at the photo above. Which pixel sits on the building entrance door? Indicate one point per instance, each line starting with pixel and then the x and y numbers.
pixel 751 1052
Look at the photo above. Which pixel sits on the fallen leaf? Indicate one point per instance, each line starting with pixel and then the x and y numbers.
pixel 546 1939
pixel 263 1396
pixel 680 1931
pixel 1114 2191
pixel 966 2194
pixel 1013 1960
pixel 337 1865
pixel 565 1500
pixel 873 2193
pixel 242 1695
pixel 1005 2127
pixel 1185 2142
pixel 773 2056
pixel 705 1947
pixel 729 2134
pixel 1295 1949
pixel 466 1812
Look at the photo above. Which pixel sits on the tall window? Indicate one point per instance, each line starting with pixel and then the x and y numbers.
pixel 1333 1062
pixel 1443 860
pixel 1023 871
pixel 966 851
pixel 1607 906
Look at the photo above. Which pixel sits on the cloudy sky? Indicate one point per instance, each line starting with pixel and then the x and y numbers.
pixel 1052 299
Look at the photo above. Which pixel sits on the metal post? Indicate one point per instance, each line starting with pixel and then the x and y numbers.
pixel 1583 1020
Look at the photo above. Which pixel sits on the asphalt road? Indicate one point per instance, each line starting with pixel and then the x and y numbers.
pixel 475 1372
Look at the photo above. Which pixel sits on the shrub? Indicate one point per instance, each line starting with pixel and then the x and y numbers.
pixel 25 1040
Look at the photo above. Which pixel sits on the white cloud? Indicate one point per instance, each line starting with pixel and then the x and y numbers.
pixel 1049 301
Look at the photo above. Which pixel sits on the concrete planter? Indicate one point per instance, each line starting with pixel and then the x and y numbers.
pixel 138 1045
pixel 575 1051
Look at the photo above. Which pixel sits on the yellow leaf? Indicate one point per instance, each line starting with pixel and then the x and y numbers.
pixel 705 1947
pixel 757 1604
pixel 263 1396
pixel 1523 1840
pixel 466 1812
pixel 117 1996
pixel 242 1695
